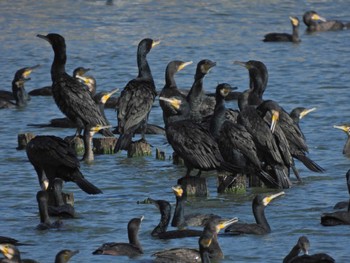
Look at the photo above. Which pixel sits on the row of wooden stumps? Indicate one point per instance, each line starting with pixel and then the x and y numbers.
pixel 193 185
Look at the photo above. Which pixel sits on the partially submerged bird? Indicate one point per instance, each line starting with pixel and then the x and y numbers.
pixel 131 249
pixel 19 96
pixel 52 157
pixel 136 99
pixel 65 255
pixel 261 226
pixel 303 245
pixel 209 247
pixel 316 23
pixel 284 37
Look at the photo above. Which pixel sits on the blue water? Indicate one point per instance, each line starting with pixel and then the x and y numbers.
pixel 103 37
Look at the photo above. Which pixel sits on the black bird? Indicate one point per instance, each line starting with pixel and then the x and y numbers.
pixel 53 157
pixel 200 104
pixel 160 231
pixel 261 226
pixel 131 249
pixel 170 89
pixel 13 255
pixel 136 100
pixel 65 255
pixel 69 94
pixel 42 198
pixel 298 113
pixel 338 217
pixel 18 94
pixel 236 144
pixel 316 23
pixel 193 142
pixel 47 90
pixel 303 245
pixel 346 129
pixel 284 37
pixel 258 78
pixel 209 247
pixel 181 220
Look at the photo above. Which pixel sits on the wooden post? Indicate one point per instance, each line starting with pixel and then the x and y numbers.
pixel 194 185
pixel 160 155
pixel 104 145
pixel 139 148
pixel 23 139
pixel 228 183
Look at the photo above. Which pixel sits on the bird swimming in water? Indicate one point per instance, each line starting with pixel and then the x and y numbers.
pixel 69 94
pixel 284 37
pixel 209 247
pixel 261 227
pixel 136 99
pixel 52 157
pixel 131 249
pixel 303 245
pixel 345 128
pixel 13 255
pixel 18 94
pixel 65 255
pixel 316 23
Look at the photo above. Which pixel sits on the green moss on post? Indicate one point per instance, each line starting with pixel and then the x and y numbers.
pixel 227 183
pixel 104 145
pixel 139 148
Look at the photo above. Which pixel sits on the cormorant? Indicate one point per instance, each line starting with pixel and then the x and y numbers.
pixel 316 23
pixel 261 226
pixel 131 249
pixel 18 93
pixel 53 157
pixel 284 37
pixel 13 255
pixel 170 89
pixel 160 231
pixel 69 94
pixel 200 104
pixel 193 142
pixel 136 100
pixel 65 255
pixel 346 129
pixel 298 113
pixel 258 78
pixel 47 90
pixel 181 220
pixel 209 247
pixel 303 245
pixel 45 223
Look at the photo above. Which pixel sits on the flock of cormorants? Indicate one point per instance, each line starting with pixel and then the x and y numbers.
pixel 260 139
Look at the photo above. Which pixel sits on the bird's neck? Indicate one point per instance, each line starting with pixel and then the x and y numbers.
pixel 20 94
pixel 59 63
pixel 144 69
pixel 260 218
pixel 163 224
pixel 179 213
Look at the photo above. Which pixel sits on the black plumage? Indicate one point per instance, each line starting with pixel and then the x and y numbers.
pixel 69 94
pixel 131 249
pixel 53 157
pixel 316 23
pixel 261 226
pixel 42 198
pixel 284 37
pixel 136 99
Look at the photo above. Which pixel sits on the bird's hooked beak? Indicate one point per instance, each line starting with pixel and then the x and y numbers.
pixel 317 17
pixel 155 43
pixel 345 128
pixel 178 190
pixel 269 198
pixel 173 102
pixel 108 95
pixel 183 65
pixel 306 112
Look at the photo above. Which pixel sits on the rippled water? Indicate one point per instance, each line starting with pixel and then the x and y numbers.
pixel 314 73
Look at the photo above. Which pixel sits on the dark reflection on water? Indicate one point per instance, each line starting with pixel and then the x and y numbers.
pixel 104 38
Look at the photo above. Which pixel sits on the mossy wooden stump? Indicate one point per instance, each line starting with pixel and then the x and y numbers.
pixel 23 139
pixel 76 143
pixel 68 198
pixel 177 160
pixel 194 185
pixel 227 183
pixel 139 148
pixel 104 145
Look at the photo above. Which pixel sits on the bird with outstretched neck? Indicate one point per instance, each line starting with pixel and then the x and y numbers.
pixel 70 95
pixel 284 37
pixel 136 99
